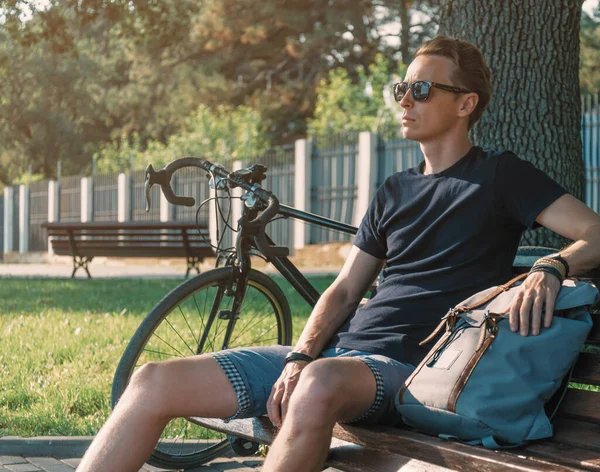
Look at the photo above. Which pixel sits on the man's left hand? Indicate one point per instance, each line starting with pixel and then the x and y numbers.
pixel 538 291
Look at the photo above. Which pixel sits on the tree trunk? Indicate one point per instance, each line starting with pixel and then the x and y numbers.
pixel 404 32
pixel 532 50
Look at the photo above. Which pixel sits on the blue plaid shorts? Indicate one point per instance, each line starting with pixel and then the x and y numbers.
pixel 253 371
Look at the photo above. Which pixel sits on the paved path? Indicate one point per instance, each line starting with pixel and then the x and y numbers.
pixel 121 270
pixel 49 464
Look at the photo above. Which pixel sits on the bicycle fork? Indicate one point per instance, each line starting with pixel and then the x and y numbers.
pixel 234 288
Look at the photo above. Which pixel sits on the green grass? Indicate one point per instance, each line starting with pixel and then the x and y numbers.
pixel 61 341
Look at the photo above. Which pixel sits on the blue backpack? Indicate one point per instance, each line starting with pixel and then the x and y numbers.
pixel 483 384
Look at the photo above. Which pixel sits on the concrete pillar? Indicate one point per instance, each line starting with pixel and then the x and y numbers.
pixel 23 219
pixel 9 207
pixel 53 207
pixel 167 211
pixel 236 203
pixel 124 198
pixel 366 174
pixel 302 188
pixel 212 218
pixel 87 199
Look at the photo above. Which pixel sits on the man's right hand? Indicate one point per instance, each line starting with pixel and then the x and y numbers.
pixel 281 392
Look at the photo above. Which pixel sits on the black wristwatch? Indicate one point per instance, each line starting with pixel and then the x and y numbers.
pixel 296 356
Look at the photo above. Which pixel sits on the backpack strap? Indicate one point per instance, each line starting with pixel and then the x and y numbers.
pixel 449 320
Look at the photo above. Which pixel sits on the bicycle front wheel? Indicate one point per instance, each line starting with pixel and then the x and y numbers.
pixel 205 314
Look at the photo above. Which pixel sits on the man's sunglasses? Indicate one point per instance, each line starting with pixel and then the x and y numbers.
pixel 421 88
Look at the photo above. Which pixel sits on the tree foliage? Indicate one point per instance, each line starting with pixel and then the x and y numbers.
pixel 220 135
pixel 77 75
pixel 589 67
pixel 364 105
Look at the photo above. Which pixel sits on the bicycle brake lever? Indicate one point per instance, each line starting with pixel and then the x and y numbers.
pixel 148 185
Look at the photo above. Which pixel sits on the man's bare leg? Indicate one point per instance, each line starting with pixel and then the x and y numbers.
pixel 157 393
pixel 329 390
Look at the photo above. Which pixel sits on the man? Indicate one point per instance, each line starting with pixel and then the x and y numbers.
pixel 446 229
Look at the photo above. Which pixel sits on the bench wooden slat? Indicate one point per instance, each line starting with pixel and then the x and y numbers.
pixel 153 252
pixel 572 456
pixel 594 337
pixel 454 455
pixel 126 233
pixel 577 433
pixel 128 241
pixel 587 369
pixel 421 447
pixel 352 458
pixel 125 224
pixel 581 405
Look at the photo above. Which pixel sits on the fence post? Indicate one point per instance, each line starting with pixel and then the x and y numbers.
pixel 236 193
pixel 9 207
pixel 366 174
pixel 123 198
pixel 302 189
pixel 212 217
pixel 166 209
pixel 23 219
pixel 87 199
pixel 53 208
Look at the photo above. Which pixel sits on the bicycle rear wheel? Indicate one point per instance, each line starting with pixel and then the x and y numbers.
pixel 205 314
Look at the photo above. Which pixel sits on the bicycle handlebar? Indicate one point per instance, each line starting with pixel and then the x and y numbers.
pixel 163 178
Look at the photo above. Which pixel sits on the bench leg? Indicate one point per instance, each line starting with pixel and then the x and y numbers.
pixel 81 263
pixel 192 264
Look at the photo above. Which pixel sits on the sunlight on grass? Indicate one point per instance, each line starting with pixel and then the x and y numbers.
pixel 61 342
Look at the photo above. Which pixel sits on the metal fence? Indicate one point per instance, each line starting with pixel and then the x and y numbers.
pixel 105 197
pixel 70 198
pixel 38 214
pixel 138 198
pixel 280 180
pixel 333 189
pixel 590 136
pixel 191 182
pixel 395 154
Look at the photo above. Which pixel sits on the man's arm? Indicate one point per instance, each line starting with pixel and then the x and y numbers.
pixel 330 312
pixel 338 301
pixel 572 219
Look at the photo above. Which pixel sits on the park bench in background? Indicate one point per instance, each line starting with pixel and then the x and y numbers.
pixel 84 241
pixel 575 445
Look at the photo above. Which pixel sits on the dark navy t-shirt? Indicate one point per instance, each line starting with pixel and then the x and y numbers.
pixel 444 237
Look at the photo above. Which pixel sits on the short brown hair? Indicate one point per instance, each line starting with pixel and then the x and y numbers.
pixel 471 70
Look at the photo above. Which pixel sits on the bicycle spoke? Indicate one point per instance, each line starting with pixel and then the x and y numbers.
pixel 176 350
pixel 160 352
pixel 177 333
pixel 249 326
pixel 256 339
pixel 198 309
pixel 188 325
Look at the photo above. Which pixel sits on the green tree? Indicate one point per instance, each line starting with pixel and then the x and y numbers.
pixel 221 135
pixel 531 56
pixel 589 65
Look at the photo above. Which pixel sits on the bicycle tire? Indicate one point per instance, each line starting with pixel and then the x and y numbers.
pixel 215 280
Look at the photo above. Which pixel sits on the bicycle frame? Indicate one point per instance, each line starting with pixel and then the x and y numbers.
pixel 283 265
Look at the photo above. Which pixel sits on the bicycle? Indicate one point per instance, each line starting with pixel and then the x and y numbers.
pixel 240 305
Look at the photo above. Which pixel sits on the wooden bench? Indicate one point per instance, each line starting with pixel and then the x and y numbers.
pixel 84 241
pixel 575 445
